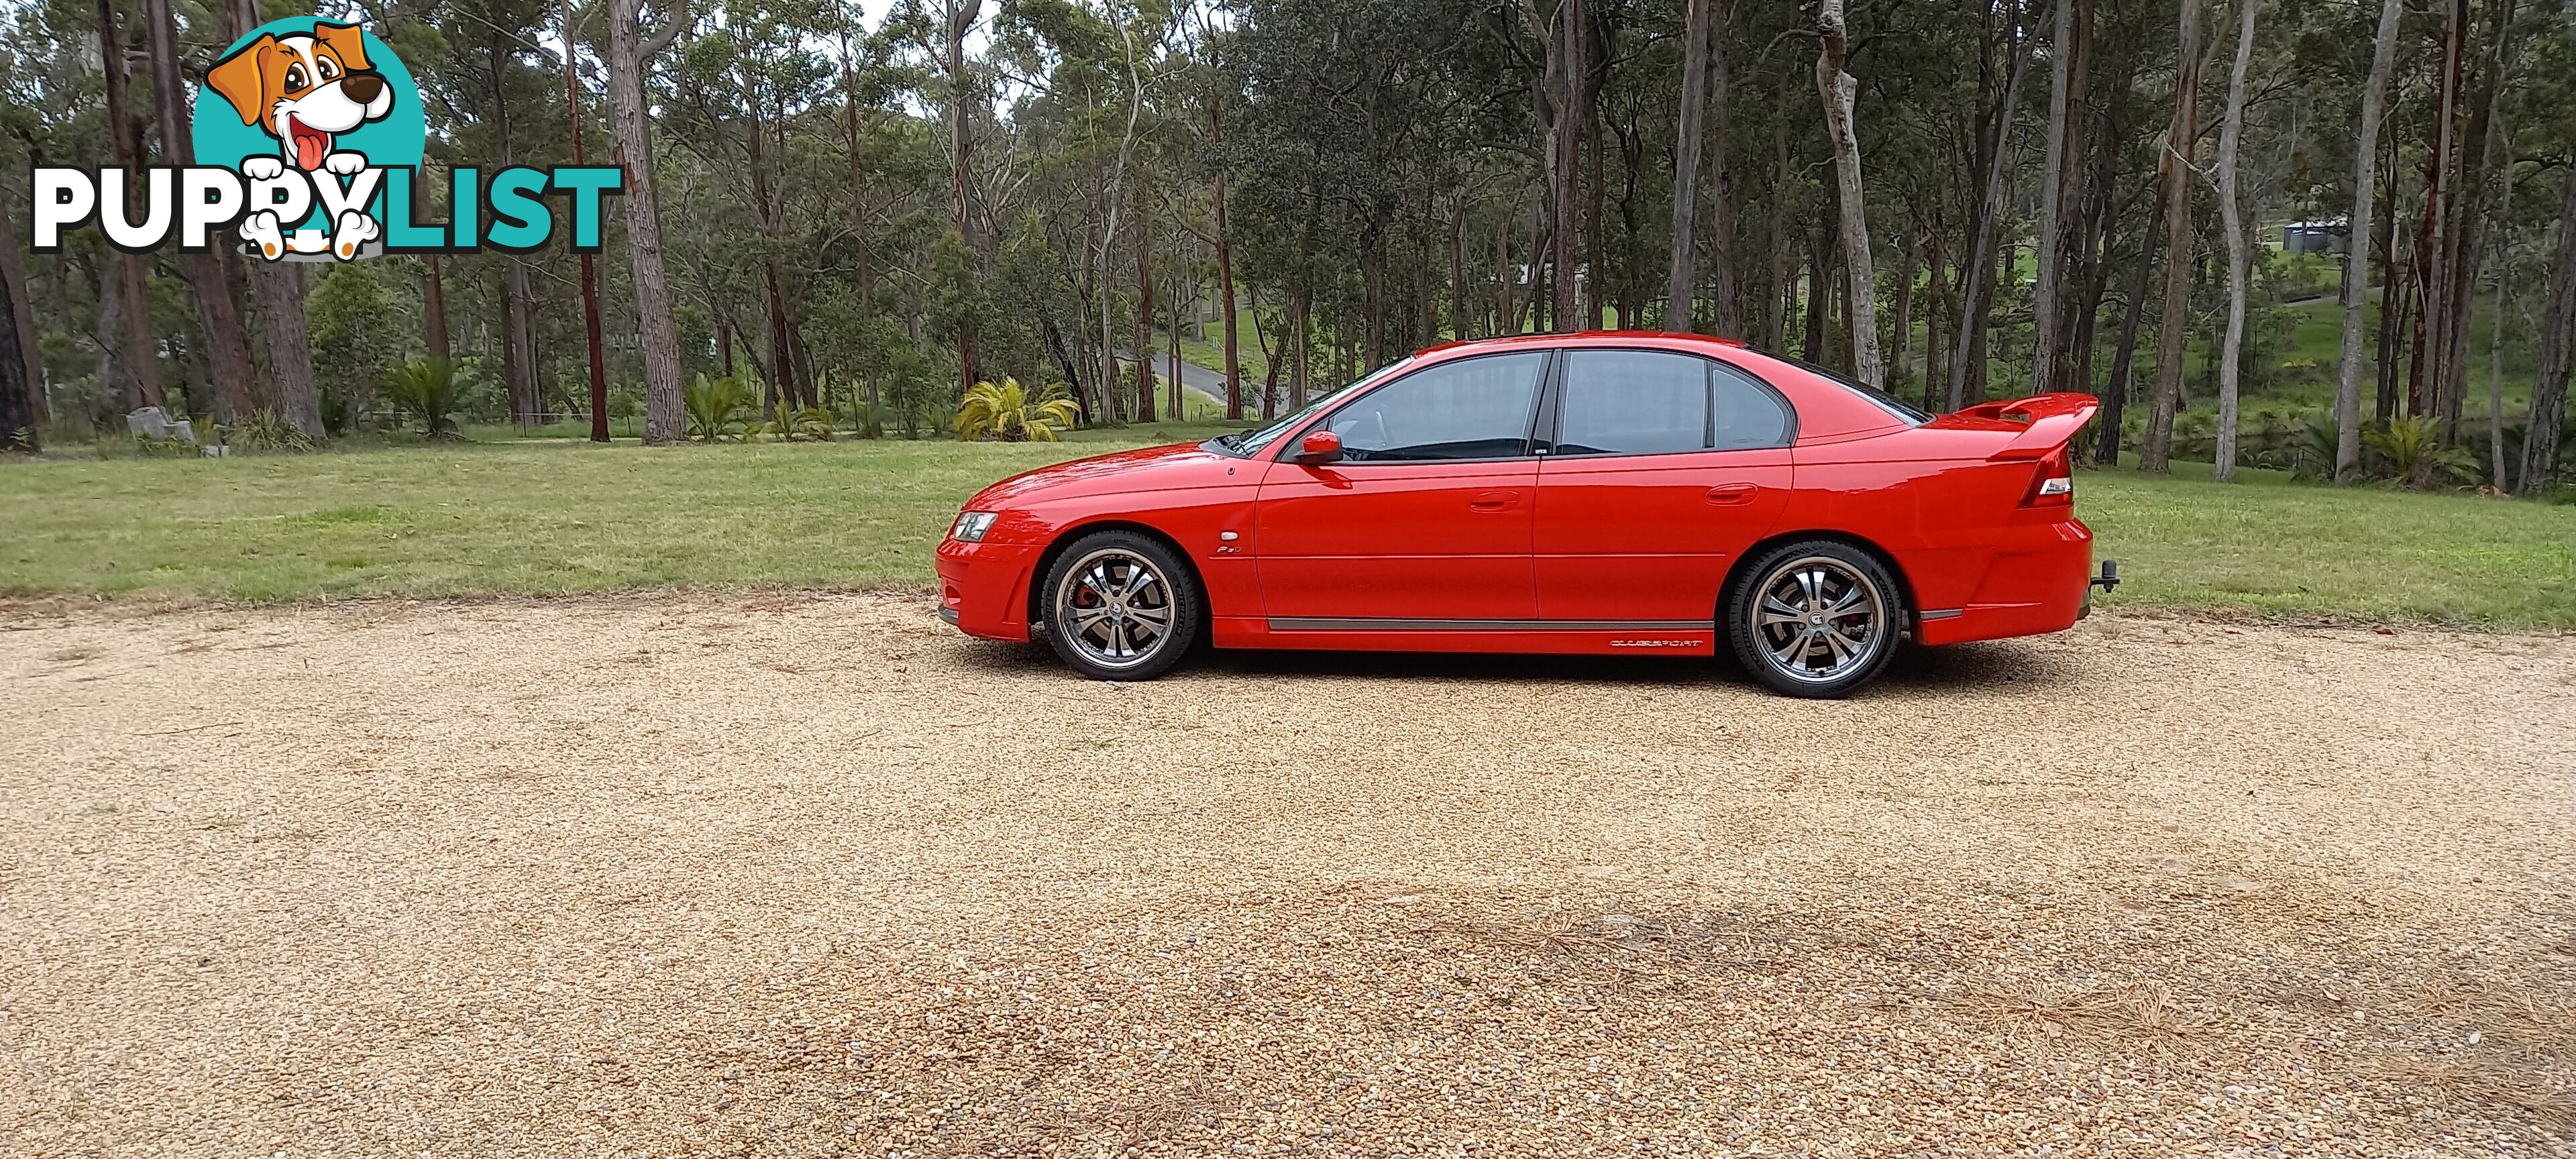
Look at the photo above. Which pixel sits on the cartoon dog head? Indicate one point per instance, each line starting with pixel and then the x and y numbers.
pixel 304 90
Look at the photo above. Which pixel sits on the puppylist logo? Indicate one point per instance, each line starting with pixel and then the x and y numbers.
pixel 309 140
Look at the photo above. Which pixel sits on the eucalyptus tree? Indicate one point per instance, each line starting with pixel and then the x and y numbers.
pixel 629 51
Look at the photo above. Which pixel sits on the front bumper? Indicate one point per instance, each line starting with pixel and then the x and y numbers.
pixel 984 587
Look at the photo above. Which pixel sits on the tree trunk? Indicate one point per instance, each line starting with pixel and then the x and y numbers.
pixel 2174 171
pixel 434 310
pixel 961 138
pixel 2356 265
pixel 1726 313
pixel 2063 49
pixel 1838 89
pixel 137 372
pixel 1225 276
pixel 518 346
pixel 18 419
pixel 666 420
pixel 1301 322
pixel 2496 472
pixel 2124 356
pixel 1565 156
pixel 2230 219
pixel 279 289
pixel 1936 359
pixel 292 391
pixel 2557 356
pixel 1899 367
pixel 1820 264
pixel 1681 281
pixel 2465 240
pixel 1976 275
pixel 20 318
pixel 2432 262
pixel 1172 357
pixel 782 371
pixel 589 269
pixel 1144 352
pixel 235 390
pixel 2392 291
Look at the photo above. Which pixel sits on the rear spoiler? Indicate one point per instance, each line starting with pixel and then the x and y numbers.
pixel 2052 419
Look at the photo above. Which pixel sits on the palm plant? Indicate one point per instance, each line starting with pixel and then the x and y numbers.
pixel 2415 455
pixel 715 407
pixel 2312 447
pixel 1007 413
pixel 429 388
pixel 812 422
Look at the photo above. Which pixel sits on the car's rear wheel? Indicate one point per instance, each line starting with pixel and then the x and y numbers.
pixel 1121 606
pixel 1818 618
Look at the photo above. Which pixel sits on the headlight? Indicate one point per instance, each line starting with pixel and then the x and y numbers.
pixel 971 526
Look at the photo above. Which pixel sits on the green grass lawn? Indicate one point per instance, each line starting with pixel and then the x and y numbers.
pixel 552 516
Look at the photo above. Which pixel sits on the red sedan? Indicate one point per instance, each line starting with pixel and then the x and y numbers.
pixel 1562 493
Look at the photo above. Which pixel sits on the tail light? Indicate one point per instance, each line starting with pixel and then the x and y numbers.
pixel 2053 483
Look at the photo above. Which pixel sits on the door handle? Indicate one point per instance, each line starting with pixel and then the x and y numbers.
pixel 1494 501
pixel 1732 494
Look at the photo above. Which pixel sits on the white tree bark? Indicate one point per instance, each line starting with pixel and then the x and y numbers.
pixel 2230 217
pixel 2356 262
pixel 666 420
pixel 1838 90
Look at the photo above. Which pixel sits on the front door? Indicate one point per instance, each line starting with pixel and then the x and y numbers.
pixel 1426 520
pixel 1663 468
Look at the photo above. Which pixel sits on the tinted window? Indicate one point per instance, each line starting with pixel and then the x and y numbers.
pixel 1475 408
pixel 1747 413
pixel 1632 402
pixel 1250 442
pixel 1879 398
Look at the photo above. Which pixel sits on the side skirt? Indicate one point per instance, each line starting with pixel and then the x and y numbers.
pixel 1560 637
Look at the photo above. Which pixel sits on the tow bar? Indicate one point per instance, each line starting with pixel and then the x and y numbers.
pixel 2110 577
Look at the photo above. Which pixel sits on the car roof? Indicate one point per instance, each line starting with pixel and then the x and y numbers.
pixel 1827 410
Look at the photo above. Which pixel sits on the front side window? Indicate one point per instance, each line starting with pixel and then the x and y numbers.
pixel 1474 408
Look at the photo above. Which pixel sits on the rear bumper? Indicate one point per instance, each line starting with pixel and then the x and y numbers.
pixel 984 587
pixel 2040 580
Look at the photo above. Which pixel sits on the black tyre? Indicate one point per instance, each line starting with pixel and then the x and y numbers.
pixel 1818 618
pixel 1121 606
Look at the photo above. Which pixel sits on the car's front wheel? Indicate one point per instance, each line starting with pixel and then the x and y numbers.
pixel 1121 606
pixel 1818 618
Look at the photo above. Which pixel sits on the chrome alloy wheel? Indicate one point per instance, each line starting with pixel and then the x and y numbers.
pixel 1819 619
pixel 1115 607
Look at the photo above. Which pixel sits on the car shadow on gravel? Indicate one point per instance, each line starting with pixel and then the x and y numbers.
pixel 1991 665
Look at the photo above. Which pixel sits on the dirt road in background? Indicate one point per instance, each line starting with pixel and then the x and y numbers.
pixel 812 874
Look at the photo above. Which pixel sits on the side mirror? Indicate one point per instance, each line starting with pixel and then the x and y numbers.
pixel 1319 447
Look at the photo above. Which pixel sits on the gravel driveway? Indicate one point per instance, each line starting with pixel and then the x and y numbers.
pixel 794 874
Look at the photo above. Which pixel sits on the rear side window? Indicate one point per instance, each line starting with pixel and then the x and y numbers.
pixel 1748 414
pixel 1474 408
pixel 1648 402
pixel 1632 402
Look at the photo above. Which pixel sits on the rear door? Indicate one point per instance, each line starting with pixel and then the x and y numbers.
pixel 1426 518
pixel 1661 468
